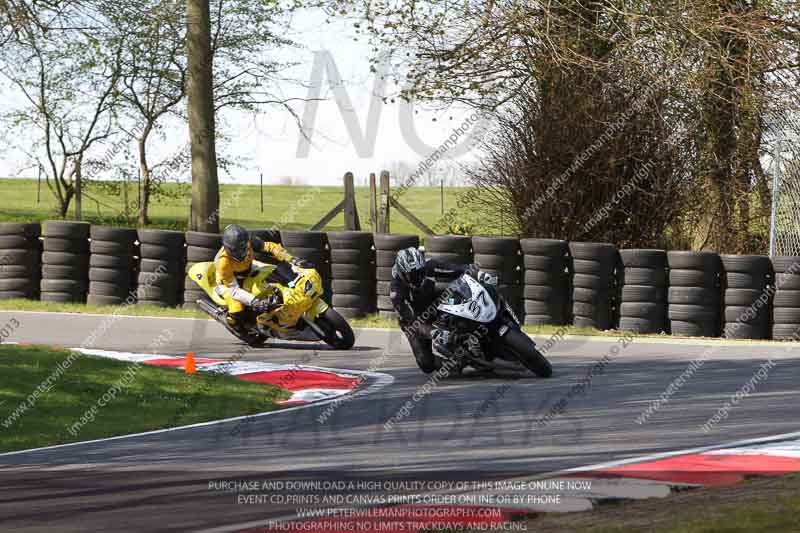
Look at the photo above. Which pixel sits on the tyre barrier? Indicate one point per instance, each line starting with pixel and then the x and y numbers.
pixel 746 310
pixel 112 266
pixel 162 262
pixel 20 260
pixel 694 294
pixel 200 247
pixel 546 289
pixel 594 284
pixel 353 273
pixel 643 291
pixel 455 249
pixel 65 261
pixel 786 300
pixel 311 246
pixel 502 256
pixel 706 294
pixel 386 248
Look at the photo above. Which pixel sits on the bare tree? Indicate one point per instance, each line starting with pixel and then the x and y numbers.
pixel 153 79
pixel 723 66
pixel 70 90
pixel 748 70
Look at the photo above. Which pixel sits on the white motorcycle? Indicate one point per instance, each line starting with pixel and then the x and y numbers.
pixel 485 328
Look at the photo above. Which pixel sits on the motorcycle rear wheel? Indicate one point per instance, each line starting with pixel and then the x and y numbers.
pixel 338 333
pixel 524 349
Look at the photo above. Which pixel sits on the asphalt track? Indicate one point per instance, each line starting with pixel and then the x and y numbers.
pixel 474 427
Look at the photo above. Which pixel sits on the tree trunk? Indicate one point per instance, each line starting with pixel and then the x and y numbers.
pixel 63 191
pixel 78 189
pixel 733 114
pixel 144 170
pixel 144 219
pixel 204 215
pixel 721 108
pixel 64 205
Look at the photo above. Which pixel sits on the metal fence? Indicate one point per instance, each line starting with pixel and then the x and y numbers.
pixel 783 166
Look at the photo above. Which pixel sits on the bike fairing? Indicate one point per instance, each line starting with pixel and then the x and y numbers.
pixel 469 299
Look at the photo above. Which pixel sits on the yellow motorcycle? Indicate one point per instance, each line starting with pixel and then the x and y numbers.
pixel 302 310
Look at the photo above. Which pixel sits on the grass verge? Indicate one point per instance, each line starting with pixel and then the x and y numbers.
pixel 21 304
pixel 372 321
pixel 148 397
pixel 759 504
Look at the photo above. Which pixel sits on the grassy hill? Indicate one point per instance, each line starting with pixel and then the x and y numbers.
pixel 288 207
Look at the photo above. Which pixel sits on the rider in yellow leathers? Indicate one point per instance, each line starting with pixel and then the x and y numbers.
pixel 234 262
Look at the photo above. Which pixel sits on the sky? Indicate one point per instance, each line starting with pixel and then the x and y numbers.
pixel 346 122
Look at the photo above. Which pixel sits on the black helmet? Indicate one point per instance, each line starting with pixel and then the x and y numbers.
pixel 236 240
pixel 410 266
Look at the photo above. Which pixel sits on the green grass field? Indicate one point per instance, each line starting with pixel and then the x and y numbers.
pixel 155 398
pixel 288 207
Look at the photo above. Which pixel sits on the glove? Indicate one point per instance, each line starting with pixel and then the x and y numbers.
pixel 269 303
pixel 488 278
pixel 302 263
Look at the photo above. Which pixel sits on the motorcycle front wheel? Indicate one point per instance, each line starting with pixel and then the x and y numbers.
pixel 338 332
pixel 524 349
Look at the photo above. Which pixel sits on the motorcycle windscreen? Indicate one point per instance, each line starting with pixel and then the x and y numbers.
pixel 466 298
pixel 457 293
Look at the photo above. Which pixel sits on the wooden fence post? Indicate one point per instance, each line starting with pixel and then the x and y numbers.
pixel 373 208
pixel 383 211
pixel 351 221
pixel 347 205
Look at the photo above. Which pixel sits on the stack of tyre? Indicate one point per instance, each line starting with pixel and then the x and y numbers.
pixel 161 267
pixel 386 248
pixel 353 273
pixel 786 302
pixel 20 260
pixel 546 281
pixel 694 293
pixel 65 262
pixel 501 255
pixel 453 249
pixel 311 246
pixel 747 297
pixel 200 247
pixel 643 291
pixel 593 268
pixel 112 266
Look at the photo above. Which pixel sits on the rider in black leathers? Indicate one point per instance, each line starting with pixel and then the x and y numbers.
pixel 415 299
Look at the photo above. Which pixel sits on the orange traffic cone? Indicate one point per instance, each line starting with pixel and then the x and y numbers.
pixel 188 366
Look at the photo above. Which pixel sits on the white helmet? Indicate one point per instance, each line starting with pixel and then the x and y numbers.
pixel 410 266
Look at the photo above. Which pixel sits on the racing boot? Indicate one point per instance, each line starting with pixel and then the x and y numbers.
pixel 236 322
